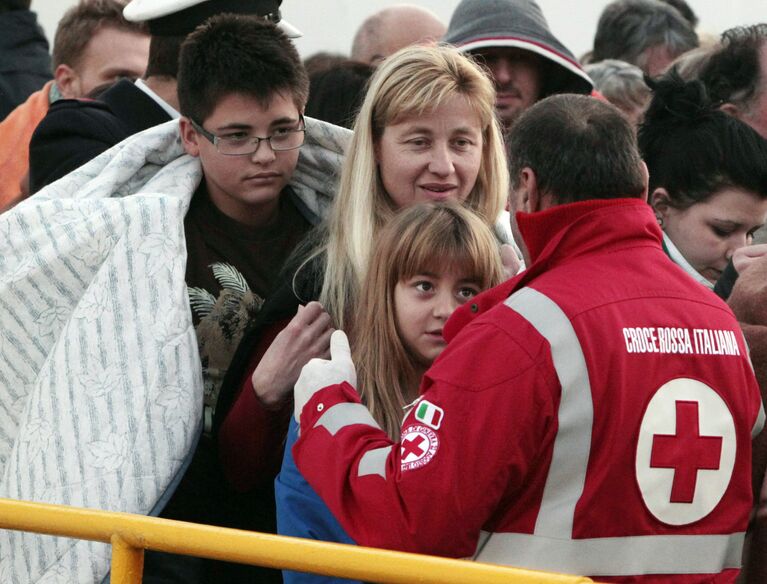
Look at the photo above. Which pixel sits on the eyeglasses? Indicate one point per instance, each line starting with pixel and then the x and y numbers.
pixel 242 144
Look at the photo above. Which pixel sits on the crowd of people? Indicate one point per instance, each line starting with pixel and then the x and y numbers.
pixel 458 292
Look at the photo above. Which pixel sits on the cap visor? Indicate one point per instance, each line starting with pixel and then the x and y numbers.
pixel 289 29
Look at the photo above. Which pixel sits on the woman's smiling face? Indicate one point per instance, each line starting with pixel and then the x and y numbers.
pixel 432 157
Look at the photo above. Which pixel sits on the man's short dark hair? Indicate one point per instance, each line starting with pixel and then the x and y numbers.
pixel 580 148
pixel 238 54
pixel 164 53
pixel 693 150
pixel 628 28
pixel 81 22
pixel 732 73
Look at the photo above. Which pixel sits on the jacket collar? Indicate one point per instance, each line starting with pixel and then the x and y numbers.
pixel 564 232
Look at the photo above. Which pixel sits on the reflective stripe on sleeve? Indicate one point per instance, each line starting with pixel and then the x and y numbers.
pixel 373 462
pixel 616 556
pixel 759 424
pixel 570 456
pixel 345 414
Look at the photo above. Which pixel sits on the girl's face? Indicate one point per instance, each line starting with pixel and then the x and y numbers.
pixel 708 233
pixel 422 305
pixel 432 157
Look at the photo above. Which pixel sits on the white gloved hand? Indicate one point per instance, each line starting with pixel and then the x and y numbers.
pixel 318 374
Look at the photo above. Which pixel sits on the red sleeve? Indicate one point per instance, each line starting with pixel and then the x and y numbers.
pixel 458 456
pixel 251 438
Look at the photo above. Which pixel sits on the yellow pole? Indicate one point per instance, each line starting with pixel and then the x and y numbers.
pixel 127 562
pixel 261 549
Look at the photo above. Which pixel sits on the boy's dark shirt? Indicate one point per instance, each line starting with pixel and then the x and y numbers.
pixel 231 267
pixel 257 254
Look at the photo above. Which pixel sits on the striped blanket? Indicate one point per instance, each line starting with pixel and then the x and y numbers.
pixel 100 378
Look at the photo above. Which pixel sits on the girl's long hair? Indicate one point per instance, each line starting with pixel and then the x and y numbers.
pixel 423 238
pixel 411 82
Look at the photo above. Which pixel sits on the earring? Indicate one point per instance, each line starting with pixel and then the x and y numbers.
pixel 659 219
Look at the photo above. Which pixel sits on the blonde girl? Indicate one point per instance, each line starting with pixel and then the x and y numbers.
pixel 430 259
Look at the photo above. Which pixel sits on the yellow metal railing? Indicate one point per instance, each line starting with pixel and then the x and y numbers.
pixel 131 534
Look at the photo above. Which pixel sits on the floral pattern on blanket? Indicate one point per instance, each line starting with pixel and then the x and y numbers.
pixel 101 390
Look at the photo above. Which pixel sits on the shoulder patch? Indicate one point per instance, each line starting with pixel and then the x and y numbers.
pixel 429 414
pixel 418 446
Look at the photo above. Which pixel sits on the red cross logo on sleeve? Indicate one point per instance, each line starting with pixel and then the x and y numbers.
pixel 686 452
pixel 418 446
pixel 412 446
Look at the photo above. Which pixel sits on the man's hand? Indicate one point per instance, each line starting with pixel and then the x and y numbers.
pixel 319 373
pixel 306 336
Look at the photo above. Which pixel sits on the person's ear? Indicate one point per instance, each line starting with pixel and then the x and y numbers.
pixel 68 81
pixel 189 136
pixel 531 195
pixel 730 109
pixel 660 201
pixel 377 150
pixel 645 179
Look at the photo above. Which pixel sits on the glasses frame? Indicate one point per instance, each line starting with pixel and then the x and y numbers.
pixel 254 140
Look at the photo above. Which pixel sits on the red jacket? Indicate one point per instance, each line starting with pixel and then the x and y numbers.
pixel 592 415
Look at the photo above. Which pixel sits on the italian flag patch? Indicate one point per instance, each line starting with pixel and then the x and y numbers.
pixel 429 414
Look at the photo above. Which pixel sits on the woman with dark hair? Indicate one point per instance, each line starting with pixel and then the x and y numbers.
pixel 708 177
pixel 336 92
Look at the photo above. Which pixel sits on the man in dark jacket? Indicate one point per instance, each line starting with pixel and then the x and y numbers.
pixel 25 64
pixel 76 131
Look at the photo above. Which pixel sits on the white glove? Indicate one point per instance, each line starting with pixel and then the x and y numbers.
pixel 318 374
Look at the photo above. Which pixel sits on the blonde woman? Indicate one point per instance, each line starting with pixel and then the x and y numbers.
pixel 426 131
pixel 430 259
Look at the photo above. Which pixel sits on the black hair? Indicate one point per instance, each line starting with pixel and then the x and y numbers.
pixel 336 93
pixel 164 53
pixel 580 148
pixel 238 54
pixel 692 149
pixel 318 62
pixel 732 73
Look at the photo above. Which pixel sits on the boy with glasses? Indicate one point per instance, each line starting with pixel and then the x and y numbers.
pixel 242 91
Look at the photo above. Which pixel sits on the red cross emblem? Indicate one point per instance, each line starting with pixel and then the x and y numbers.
pixel 418 446
pixel 413 446
pixel 686 452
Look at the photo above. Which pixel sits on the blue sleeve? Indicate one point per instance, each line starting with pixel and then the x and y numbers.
pixel 301 512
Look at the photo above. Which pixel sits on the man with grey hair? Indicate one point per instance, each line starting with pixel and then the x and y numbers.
pixel 392 29
pixel 622 84
pixel 525 60
pixel 646 33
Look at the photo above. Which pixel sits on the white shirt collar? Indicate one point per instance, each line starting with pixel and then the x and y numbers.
pixel 169 109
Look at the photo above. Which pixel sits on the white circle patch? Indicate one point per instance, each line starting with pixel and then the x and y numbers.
pixel 418 446
pixel 685 452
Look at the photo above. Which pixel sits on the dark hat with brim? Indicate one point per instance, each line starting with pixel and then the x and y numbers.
pixel 180 17
pixel 481 24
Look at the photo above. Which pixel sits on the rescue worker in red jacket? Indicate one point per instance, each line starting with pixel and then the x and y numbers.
pixel 592 415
